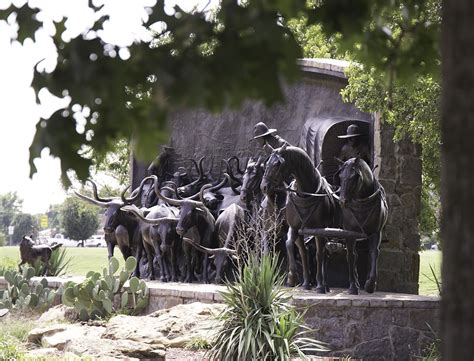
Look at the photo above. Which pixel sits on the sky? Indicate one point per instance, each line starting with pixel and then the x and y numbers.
pixel 19 112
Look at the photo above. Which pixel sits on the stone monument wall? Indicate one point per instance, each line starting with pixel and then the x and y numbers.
pixel 399 172
pixel 317 95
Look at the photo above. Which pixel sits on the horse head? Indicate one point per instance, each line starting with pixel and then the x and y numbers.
pixel 28 240
pixel 356 180
pixel 251 181
pixel 275 171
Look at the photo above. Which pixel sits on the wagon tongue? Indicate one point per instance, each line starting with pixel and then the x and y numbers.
pixel 332 233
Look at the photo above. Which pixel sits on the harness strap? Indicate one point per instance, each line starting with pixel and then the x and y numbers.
pixel 312 209
pixel 369 198
pixel 306 193
pixel 314 205
pixel 361 226
pixel 366 200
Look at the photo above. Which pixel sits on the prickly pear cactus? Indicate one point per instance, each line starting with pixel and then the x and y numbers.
pixel 101 295
pixel 22 294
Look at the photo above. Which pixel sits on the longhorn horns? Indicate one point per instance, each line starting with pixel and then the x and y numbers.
pixel 137 212
pixel 175 202
pixel 101 202
pixel 137 194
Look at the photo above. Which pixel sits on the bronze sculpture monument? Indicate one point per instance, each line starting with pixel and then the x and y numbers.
pixel 198 217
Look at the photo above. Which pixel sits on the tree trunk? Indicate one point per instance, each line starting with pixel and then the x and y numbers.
pixel 457 189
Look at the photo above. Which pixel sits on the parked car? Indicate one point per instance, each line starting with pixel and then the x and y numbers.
pixel 66 242
pixel 96 240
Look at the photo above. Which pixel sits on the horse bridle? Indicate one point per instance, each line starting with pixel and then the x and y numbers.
pixel 275 180
pixel 251 189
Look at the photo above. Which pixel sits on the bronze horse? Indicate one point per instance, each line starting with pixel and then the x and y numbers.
pixel 31 253
pixel 266 211
pixel 250 190
pixel 309 205
pixel 364 209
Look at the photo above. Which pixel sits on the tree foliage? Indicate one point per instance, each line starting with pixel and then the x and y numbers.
pixel 411 107
pixel 115 163
pixel 200 61
pixel 414 112
pixel 313 41
pixel 79 219
pixel 10 205
pixel 25 224
pixel 54 216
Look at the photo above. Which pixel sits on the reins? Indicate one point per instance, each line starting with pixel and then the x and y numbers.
pixel 297 192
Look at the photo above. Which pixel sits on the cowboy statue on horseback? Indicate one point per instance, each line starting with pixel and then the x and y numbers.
pixel 263 135
pixel 274 202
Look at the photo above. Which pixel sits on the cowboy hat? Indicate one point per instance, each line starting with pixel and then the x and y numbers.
pixel 352 131
pixel 261 130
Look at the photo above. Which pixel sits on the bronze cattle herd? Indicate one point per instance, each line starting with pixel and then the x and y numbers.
pixel 185 229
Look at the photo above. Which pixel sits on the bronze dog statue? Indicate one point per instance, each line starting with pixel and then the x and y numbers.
pixel 30 253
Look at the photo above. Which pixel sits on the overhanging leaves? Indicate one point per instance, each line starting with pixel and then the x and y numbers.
pixel 243 51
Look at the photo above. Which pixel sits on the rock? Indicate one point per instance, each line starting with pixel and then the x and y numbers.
pixel 131 337
pixel 3 311
pixel 106 348
pixel 59 313
pixel 173 327
pixel 70 335
pixel 85 340
pixel 45 353
pixel 35 335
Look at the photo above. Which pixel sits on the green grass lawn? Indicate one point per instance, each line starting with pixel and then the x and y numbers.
pixel 87 259
pixel 427 280
pixel 83 259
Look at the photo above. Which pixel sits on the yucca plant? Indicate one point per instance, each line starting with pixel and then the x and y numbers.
pixel 433 278
pixel 259 323
pixel 59 262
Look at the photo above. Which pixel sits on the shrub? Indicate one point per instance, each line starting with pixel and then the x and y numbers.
pixel 8 264
pixel 198 343
pixel 9 349
pixel 21 294
pixel 259 323
pixel 95 297
pixel 14 331
pixel 432 352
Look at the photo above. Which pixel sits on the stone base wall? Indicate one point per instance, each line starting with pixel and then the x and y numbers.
pixel 375 329
pixel 399 172
pixel 380 326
